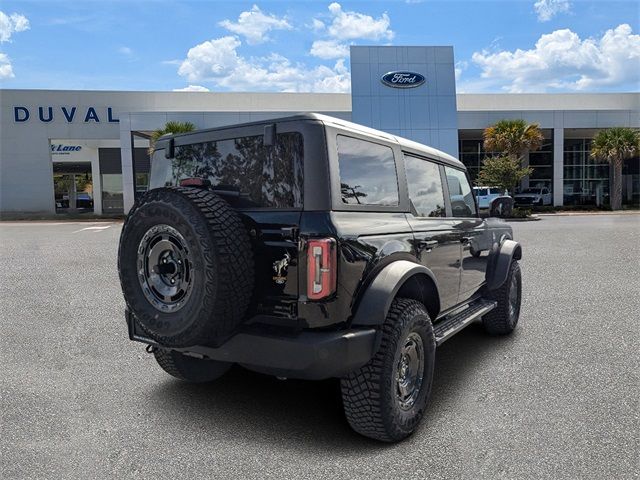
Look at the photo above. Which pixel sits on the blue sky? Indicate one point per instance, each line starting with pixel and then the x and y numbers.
pixel 500 46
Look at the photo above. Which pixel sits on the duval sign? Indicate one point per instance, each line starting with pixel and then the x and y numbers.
pixel 402 79
pixel 22 114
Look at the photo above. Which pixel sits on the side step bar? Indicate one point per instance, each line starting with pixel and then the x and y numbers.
pixel 449 326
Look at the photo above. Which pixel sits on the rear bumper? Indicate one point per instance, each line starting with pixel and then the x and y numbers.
pixel 305 355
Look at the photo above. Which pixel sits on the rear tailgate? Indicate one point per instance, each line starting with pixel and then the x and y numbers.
pixel 274 235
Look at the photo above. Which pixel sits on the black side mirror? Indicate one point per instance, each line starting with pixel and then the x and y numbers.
pixel 501 207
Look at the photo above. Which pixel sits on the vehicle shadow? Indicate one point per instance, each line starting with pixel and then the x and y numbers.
pixel 299 414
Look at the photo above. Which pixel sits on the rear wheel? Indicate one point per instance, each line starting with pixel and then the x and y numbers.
pixel 503 319
pixel 190 369
pixel 386 398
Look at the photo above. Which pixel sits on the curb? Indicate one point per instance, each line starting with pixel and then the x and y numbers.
pixel 569 214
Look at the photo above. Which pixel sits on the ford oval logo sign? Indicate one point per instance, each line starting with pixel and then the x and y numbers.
pixel 403 79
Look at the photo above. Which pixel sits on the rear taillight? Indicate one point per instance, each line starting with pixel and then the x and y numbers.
pixel 321 268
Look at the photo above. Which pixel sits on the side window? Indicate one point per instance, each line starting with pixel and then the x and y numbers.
pixel 367 172
pixel 425 187
pixel 462 203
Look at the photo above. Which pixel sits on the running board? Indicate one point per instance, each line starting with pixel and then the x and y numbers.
pixel 449 326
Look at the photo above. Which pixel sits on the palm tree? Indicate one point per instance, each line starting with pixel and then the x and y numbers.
pixel 615 145
pixel 169 128
pixel 513 138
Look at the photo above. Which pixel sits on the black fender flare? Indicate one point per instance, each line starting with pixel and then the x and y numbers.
pixel 376 300
pixel 500 262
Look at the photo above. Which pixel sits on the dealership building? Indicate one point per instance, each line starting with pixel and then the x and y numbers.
pixel 86 151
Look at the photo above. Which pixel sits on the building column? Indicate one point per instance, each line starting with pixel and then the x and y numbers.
pixel 525 163
pixel 96 180
pixel 558 167
pixel 126 159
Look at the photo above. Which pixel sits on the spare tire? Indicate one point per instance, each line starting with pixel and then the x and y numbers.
pixel 186 266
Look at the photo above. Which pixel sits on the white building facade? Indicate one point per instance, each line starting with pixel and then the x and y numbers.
pixel 86 151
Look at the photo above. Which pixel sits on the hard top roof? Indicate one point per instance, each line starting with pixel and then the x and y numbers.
pixel 408 145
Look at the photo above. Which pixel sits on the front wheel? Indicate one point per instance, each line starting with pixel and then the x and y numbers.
pixel 190 369
pixel 385 399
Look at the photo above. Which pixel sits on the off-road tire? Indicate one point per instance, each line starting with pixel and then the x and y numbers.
pixel 190 369
pixel 369 395
pixel 221 269
pixel 502 320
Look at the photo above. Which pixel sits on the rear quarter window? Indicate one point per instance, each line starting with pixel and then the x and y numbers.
pixel 242 170
pixel 367 172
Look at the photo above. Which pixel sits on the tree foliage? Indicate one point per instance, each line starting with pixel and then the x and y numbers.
pixel 615 145
pixel 504 172
pixel 169 128
pixel 513 138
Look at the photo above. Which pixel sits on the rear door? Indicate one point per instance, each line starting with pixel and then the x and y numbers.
pixel 437 245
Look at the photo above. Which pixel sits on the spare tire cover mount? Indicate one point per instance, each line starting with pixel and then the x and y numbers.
pixel 164 268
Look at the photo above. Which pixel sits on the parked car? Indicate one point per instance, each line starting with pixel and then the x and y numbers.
pixel 485 195
pixel 84 200
pixel 534 196
pixel 310 247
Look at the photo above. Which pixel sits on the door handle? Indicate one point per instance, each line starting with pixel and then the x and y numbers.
pixel 428 245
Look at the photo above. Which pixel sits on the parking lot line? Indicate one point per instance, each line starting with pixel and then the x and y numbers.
pixel 95 229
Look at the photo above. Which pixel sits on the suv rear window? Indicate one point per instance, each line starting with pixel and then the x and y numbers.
pixel 244 171
pixel 367 172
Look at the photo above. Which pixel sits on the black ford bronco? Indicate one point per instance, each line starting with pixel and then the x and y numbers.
pixel 310 247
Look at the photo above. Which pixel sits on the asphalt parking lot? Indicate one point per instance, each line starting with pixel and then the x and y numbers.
pixel 557 399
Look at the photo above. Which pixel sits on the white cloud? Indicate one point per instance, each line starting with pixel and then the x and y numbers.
pixel 317 25
pixel 352 25
pixel 460 67
pixel 561 60
pixel 347 25
pixel 217 61
pixel 192 88
pixel 254 25
pixel 125 51
pixel 328 49
pixel 10 24
pixel 547 9
pixel 6 70
pixel 211 59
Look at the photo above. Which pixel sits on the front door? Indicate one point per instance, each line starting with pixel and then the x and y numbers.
pixel 73 187
pixel 470 231
pixel 437 245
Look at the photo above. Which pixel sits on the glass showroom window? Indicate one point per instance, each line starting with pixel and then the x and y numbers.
pixel 472 154
pixel 542 163
pixel 586 181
